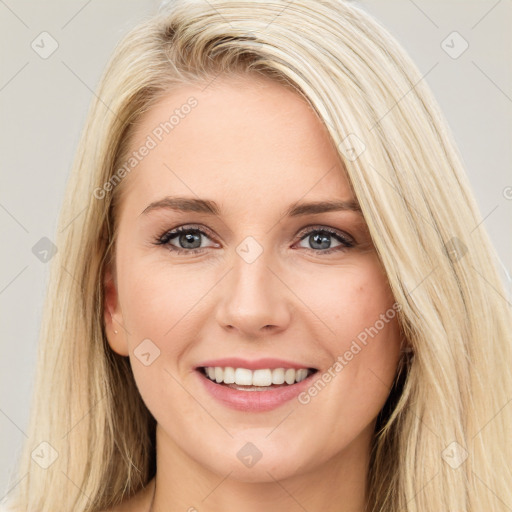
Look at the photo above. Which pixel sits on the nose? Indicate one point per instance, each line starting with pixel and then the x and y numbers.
pixel 254 299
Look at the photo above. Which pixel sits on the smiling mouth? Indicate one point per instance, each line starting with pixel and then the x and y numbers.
pixel 244 379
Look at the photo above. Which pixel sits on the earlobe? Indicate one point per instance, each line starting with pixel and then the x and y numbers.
pixel 116 334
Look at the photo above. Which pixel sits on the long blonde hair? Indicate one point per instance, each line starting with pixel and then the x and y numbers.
pixel 441 440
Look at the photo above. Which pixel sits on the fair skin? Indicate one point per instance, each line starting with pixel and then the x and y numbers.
pixel 255 148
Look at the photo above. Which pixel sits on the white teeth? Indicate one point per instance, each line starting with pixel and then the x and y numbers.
pixel 243 377
pixel 260 378
pixel 229 375
pixel 289 376
pixel 299 375
pixel 278 376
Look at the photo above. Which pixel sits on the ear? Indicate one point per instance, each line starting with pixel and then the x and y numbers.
pixel 114 325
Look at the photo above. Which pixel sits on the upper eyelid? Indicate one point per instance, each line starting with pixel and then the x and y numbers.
pixel 320 227
pixel 191 227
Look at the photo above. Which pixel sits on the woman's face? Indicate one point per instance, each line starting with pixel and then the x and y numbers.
pixel 253 282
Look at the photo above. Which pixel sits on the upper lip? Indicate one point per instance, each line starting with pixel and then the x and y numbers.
pixel 255 364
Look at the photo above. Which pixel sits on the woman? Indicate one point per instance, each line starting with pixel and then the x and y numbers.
pixel 276 297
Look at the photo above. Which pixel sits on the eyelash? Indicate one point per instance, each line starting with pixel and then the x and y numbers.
pixel 167 236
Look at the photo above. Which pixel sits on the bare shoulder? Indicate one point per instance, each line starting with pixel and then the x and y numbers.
pixel 139 502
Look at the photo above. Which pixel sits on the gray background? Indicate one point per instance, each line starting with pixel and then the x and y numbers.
pixel 43 103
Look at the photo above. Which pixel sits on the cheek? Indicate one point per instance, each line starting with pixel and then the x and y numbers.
pixel 160 302
pixel 359 329
pixel 348 299
pixel 369 327
pixel 160 316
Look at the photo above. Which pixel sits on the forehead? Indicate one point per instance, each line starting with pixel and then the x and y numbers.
pixel 249 141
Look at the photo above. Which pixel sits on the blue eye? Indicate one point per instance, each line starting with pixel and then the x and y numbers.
pixel 189 240
pixel 320 238
pixel 189 237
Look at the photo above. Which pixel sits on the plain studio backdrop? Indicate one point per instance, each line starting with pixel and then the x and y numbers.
pixel 52 57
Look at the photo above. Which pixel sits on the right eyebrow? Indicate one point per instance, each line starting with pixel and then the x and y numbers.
pixel 184 204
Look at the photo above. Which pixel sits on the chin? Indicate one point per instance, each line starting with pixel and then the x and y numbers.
pixel 261 472
pixel 268 464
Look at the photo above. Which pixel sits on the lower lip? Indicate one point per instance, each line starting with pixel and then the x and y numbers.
pixel 254 401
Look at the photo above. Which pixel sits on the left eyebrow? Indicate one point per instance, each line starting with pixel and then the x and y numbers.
pixel 322 207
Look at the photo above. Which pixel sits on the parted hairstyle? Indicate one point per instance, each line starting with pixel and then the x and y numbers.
pixel 442 440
